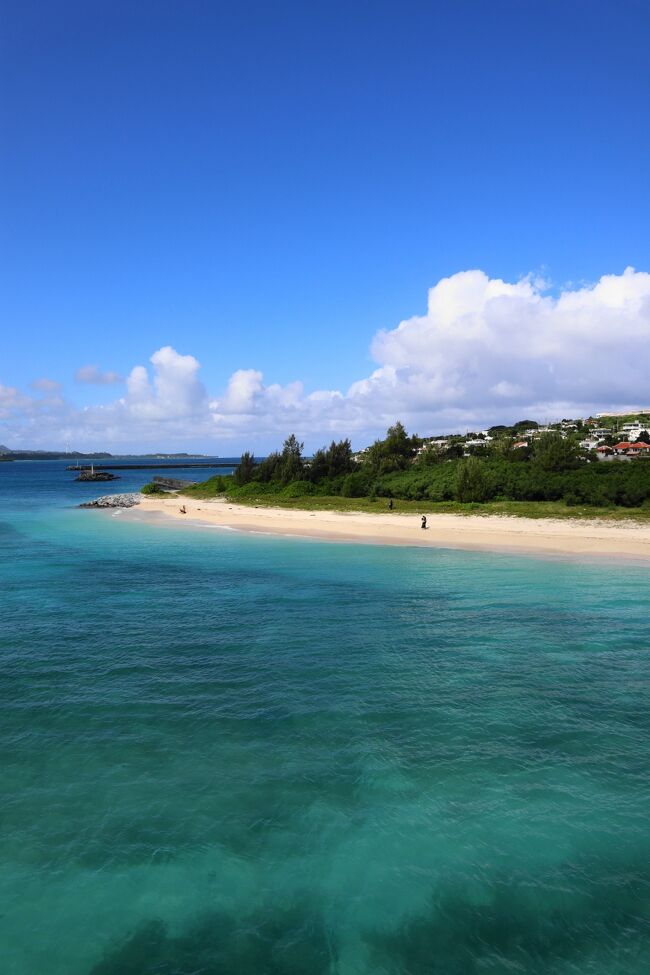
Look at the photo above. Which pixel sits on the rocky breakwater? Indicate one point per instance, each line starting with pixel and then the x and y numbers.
pixel 97 476
pixel 114 501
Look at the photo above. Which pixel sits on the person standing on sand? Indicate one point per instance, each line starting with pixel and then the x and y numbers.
pixel 424 521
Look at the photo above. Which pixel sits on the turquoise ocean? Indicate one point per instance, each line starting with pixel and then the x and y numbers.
pixel 236 754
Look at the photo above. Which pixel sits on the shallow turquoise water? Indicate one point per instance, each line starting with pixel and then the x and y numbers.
pixel 229 753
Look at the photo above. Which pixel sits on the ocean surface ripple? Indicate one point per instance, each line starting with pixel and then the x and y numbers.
pixel 226 753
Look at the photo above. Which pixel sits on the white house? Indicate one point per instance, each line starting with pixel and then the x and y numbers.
pixel 633 430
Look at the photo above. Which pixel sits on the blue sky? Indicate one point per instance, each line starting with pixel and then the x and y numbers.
pixel 264 187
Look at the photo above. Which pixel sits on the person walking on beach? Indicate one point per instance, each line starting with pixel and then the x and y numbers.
pixel 424 521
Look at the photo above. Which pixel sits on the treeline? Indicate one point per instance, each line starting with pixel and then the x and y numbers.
pixel 328 470
pixel 553 468
pixel 479 480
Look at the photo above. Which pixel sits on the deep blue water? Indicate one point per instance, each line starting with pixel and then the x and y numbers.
pixel 229 753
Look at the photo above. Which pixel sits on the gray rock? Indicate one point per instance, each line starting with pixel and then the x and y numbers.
pixel 114 501
pixel 97 476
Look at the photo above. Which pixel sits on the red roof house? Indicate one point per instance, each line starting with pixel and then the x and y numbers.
pixel 631 448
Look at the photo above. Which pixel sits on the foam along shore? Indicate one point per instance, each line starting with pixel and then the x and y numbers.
pixel 492 532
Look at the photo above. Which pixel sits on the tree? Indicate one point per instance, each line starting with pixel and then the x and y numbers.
pixel 398 443
pixel 553 453
pixel 454 451
pixel 334 461
pixel 431 456
pixel 644 437
pixel 318 466
pixel 268 469
pixel 479 450
pixel 394 453
pixel 291 462
pixel 471 481
pixel 504 447
pixel 339 458
pixel 245 470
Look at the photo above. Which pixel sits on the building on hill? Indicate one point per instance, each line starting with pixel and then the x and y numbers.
pixel 632 449
pixel 623 413
pixel 435 443
pixel 634 430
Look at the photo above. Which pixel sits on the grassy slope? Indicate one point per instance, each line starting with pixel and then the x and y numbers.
pixel 522 509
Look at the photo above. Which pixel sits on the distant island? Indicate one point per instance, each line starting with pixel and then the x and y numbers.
pixel 6 453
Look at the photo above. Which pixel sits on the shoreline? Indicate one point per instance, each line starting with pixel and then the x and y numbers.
pixel 497 533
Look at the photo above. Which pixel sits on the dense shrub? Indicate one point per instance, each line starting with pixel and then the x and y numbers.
pixel 472 482
pixel 254 489
pixel 152 488
pixel 355 485
pixel 297 489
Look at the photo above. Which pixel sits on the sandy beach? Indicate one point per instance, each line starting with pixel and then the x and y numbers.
pixel 495 533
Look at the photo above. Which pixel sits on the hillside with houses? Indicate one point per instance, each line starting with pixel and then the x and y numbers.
pixel 595 463
pixel 605 437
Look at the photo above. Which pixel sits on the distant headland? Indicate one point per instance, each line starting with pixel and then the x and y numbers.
pixel 6 453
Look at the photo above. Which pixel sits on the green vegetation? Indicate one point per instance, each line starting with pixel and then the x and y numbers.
pixel 152 488
pixel 616 422
pixel 471 482
pixel 551 476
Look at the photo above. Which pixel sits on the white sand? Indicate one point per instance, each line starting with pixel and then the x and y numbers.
pixel 569 537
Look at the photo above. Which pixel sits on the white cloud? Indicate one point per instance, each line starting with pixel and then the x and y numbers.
pixel 242 392
pixel 484 351
pixel 485 346
pixel 11 401
pixel 45 385
pixel 175 391
pixel 92 375
pixel 504 388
